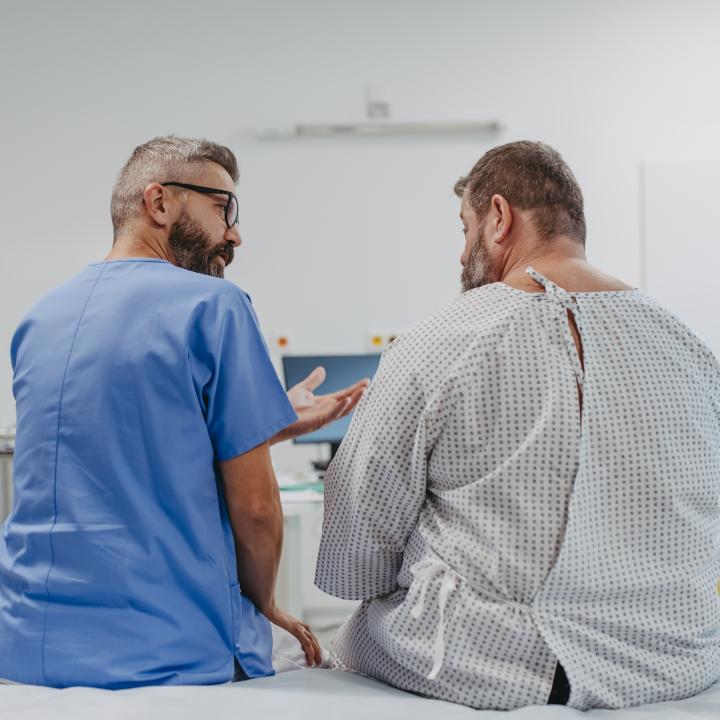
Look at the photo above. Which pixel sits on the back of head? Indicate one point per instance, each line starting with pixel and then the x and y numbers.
pixel 162 159
pixel 530 176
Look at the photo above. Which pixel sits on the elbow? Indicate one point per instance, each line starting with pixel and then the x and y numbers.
pixel 260 513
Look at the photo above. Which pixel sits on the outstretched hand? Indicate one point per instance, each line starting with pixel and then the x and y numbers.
pixel 316 411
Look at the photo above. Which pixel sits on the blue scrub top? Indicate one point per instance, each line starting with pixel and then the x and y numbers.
pixel 117 563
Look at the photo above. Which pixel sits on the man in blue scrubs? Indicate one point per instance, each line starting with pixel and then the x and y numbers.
pixel 146 531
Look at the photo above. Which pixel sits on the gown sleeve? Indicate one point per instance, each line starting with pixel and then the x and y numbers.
pixel 375 487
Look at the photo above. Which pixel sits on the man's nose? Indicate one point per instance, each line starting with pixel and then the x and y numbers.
pixel 233 236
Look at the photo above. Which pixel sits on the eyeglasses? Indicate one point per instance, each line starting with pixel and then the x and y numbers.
pixel 231 207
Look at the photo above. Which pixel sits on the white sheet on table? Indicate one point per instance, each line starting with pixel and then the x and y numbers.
pixel 305 695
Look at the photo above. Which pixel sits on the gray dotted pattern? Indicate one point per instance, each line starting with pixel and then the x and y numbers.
pixel 587 536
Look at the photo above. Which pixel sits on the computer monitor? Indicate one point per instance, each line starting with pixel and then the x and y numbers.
pixel 341 371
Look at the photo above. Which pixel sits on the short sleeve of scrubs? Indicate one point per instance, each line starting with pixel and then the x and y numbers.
pixel 244 401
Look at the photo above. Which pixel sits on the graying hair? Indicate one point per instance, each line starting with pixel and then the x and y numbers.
pixel 532 176
pixel 162 159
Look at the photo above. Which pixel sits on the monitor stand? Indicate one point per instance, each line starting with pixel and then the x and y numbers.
pixel 321 466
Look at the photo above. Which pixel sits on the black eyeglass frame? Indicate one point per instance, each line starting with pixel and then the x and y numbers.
pixel 212 191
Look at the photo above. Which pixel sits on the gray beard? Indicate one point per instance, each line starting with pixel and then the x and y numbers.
pixel 193 249
pixel 477 271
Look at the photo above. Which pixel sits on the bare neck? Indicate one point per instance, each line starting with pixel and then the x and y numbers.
pixel 562 261
pixel 137 244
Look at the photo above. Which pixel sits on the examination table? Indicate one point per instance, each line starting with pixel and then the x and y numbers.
pixel 301 695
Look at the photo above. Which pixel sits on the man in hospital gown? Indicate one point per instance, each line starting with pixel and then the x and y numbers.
pixel 528 499
pixel 145 535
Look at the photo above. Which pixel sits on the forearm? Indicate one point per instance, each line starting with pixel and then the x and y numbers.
pixel 258 545
pixel 253 504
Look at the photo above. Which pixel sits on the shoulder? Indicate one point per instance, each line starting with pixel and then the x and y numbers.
pixel 683 338
pixel 204 296
pixel 220 309
pixel 480 317
pixel 208 287
pixel 473 324
pixel 56 301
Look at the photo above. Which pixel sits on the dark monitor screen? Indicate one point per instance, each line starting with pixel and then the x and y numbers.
pixel 341 371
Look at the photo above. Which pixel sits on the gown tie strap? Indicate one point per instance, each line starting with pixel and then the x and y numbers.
pixel 563 298
pixel 425 571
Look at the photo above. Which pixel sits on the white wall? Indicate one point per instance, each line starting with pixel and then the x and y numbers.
pixel 682 245
pixel 340 235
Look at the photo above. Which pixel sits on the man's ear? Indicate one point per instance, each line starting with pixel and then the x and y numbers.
pixel 158 204
pixel 501 218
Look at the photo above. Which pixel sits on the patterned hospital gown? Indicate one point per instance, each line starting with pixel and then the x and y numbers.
pixel 492 524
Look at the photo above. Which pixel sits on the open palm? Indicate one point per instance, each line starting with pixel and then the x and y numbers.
pixel 316 411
